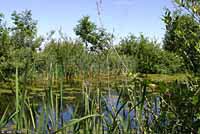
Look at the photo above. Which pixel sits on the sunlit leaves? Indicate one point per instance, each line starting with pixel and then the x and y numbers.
pixel 24 23
pixel 191 6
pixel 147 56
pixel 182 37
pixel 195 100
pixel 96 39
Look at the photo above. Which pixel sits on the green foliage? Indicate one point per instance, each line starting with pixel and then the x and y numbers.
pixel 5 65
pixel 25 27
pixel 181 105
pixel 18 45
pixel 182 37
pixel 191 6
pixel 69 54
pixel 148 56
pixel 97 39
pixel 173 108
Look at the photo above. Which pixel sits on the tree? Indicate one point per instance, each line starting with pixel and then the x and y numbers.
pixel 182 37
pixel 148 57
pixel 191 6
pixel 18 44
pixel 4 50
pixel 24 30
pixel 97 39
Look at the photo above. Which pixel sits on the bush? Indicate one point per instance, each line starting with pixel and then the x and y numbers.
pixel 149 57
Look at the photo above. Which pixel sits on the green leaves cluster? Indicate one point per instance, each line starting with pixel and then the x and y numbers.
pixel 191 6
pixel 18 44
pixel 148 56
pixel 180 106
pixel 182 37
pixel 97 39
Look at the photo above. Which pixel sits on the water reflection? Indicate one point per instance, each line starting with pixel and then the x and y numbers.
pixel 73 100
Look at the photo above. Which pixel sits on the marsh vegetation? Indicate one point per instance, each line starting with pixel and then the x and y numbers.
pixel 90 85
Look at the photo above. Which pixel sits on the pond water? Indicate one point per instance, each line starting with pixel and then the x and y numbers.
pixel 72 100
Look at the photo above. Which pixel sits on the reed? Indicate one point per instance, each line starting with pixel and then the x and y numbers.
pixel 130 107
pixel 17 99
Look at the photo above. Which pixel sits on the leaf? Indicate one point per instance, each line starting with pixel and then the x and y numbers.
pixel 178 2
pixel 198 116
pixel 195 100
pixel 74 121
pixel 171 115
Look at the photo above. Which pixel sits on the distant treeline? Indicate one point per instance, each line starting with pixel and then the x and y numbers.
pixel 93 51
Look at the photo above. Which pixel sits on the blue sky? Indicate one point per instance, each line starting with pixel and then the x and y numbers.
pixel 122 16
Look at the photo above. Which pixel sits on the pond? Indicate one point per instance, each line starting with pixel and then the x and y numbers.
pixel 116 107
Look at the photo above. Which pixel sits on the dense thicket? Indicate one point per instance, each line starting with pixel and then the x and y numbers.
pixel 158 107
pixel 182 37
pixel 20 47
pixel 148 57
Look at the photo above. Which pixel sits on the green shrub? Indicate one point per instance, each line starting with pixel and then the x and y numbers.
pixel 149 57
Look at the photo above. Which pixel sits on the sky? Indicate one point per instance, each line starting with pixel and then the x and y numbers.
pixel 120 17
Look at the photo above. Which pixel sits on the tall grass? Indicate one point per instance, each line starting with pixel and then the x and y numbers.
pixel 130 107
pixel 17 99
